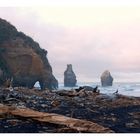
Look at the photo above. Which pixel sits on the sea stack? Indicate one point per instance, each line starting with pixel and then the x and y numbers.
pixel 22 60
pixel 69 77
pixel 106 79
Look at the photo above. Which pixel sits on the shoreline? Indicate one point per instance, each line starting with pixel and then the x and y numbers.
pixel 119 114
pixel 128 89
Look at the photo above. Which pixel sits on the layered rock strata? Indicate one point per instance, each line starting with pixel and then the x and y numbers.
pixel 22 60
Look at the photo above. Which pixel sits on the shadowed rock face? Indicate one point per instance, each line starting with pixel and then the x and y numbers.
pixel 106 79
pixel 69 77
pixel 1 75
pixel 22 59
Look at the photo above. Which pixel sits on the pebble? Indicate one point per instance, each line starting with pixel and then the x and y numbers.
pixel 44 105
pixel 53 102
pixel 130 125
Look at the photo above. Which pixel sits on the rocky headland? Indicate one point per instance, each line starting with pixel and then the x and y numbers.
pixel 22 61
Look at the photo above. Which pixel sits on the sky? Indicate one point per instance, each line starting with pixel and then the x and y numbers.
pixel 92 37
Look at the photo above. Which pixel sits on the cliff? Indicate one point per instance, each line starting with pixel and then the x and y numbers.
pixel 22 59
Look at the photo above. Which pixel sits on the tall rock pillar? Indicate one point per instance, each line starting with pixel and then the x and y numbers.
pixel 69 77
pixel 106 79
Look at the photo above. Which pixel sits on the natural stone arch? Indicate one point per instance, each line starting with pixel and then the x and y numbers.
pixel 37 85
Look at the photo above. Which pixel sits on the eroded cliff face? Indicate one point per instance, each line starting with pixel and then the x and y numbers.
pixel 22 59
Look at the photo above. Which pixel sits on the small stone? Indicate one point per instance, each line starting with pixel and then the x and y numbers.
pixel 55 103
pixel 44 105
pixel 130 125
pixel 13 122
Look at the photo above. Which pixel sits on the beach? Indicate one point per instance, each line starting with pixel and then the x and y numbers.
pixel 115 114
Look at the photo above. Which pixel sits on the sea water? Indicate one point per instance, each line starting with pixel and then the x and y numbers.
pixel 129 89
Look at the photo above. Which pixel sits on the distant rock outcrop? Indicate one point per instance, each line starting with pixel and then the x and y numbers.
pixel 69 77
pixel 22 59
pixel 106 78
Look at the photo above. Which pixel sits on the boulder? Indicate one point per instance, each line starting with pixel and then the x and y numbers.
pixel 87 88
pixel 106 78
pixel 22 59
pixel 69 77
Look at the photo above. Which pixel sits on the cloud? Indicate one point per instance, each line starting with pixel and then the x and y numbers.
pixel 100 41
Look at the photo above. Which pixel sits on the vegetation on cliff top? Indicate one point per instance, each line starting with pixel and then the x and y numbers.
pixel 9 32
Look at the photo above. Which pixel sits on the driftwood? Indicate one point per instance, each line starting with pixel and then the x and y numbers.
pixel 75 124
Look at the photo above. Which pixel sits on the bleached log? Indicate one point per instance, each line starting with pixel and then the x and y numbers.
pixel 76 124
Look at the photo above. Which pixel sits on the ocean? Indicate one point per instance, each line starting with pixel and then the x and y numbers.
pixel 129 89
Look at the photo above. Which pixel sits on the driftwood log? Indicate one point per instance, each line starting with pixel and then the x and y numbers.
pixel 75 124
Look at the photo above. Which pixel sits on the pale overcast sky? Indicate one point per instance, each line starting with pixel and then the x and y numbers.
pixel 92 39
